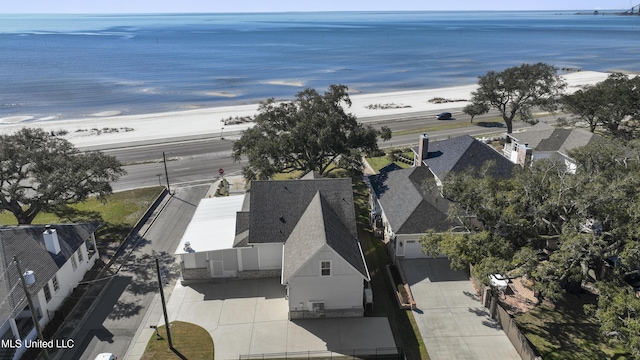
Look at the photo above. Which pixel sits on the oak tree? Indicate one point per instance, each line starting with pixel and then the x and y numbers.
pixel 40 171
pixel 475 109
pixel 311 133
pixel 516 90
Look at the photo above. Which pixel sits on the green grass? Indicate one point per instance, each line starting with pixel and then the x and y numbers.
pixel 118 214
pixel 566 332
pixel 446 126
pixel 403 326
pixel 379 162
pixel 189 342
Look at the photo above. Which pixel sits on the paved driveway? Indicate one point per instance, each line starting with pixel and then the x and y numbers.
pixel 250 317
pixel 451 319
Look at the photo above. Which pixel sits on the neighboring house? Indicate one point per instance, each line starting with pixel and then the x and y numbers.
pixel 459 154
pixel 407 203
pixel 543 141
pixel 303 231
pixel 55 259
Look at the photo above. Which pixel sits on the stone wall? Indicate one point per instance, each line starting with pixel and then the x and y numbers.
pixel 196 274
pixel 259 274
pixel 332 313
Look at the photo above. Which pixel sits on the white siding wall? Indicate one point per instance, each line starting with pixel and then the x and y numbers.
pixel 341 290
pixel 189 260
pixel 68 279
pixel 269 256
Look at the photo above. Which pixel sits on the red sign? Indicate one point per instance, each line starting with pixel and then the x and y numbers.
pixel 221 171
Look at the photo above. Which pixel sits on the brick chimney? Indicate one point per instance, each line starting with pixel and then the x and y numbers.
pixel 51 241
pixel 423 149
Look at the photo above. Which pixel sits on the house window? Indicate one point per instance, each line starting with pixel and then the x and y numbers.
pixel 80 257
pixel 325 268
pixel 47 292
pixel 74 264
pixel 56 286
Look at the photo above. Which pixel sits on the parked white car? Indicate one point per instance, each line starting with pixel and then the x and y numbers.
pixel 499 281
pixel 106 356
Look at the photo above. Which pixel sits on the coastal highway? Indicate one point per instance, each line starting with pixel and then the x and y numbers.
pixel 192 161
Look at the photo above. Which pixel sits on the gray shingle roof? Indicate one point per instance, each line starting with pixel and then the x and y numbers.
pixel 411 201
pixel 242 229
pixel 276 206
pixel 27 243
pixel 543 137
pixel 318 226
pixel 464 152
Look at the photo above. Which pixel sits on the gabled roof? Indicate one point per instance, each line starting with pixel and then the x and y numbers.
pixel 543 137
pixel 276 206
pixel 464 152
pixel 320 226
pixel 411 201
pixel 27 243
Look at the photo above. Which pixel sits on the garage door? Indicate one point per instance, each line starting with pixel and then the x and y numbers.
pixel 413 250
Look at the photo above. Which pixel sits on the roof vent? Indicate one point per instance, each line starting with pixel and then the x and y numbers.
pixel 29 277
pixel 51 241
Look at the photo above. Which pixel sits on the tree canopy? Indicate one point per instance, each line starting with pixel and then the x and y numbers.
pixel 612 104
pixel 40 171
pixel 516 90
pixel 475 109
pixel 592 215
pixel 311 133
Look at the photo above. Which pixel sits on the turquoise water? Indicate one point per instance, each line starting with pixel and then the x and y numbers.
pixel 73 65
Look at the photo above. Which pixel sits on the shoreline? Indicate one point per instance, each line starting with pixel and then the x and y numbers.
pixel 112 127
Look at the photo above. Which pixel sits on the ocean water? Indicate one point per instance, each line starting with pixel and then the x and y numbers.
pixel 66 66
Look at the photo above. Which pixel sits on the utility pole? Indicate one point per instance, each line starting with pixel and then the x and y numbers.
pixel 166 173
pixel 34 316
pixel 164 305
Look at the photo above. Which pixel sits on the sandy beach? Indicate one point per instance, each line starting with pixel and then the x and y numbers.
pixel 111 128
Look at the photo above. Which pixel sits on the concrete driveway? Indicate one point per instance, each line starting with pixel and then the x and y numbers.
pixel 250 317
pixel 451 319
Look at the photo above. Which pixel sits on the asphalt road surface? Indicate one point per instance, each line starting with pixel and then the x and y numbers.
pixel 113 323
pixel 191 161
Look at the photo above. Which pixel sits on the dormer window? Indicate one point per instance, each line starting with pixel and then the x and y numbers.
pixel 325 268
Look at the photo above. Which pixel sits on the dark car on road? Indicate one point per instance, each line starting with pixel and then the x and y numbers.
pixel 444 116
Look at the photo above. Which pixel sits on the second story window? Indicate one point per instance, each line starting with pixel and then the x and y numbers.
pixel 47 292
pixel 74 264
pixel 325 268
pixel 56 286
pixel 80 257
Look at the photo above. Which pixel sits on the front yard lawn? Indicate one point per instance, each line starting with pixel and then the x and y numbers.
pixel 379 162
pixel 189 342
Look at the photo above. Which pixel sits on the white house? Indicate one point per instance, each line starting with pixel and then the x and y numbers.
pixel 543 141
pixel 302 231
pixel 55 259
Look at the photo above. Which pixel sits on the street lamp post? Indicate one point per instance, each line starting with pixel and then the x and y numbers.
pixel 221 129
